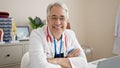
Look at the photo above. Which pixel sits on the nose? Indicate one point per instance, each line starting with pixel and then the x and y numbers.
pixel 58 21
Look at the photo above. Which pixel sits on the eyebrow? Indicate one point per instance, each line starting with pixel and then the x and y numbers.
pixel 53 15
pixel 62 16
pixel 56 16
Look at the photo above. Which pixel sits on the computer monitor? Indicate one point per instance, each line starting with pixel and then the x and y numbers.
pixel 113 62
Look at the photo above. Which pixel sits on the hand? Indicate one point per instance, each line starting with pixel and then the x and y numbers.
pixel 74 53
pixel 52 60
pixel 63 67
pixel 63 62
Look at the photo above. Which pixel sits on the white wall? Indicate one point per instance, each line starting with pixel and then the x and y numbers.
pixel 99 30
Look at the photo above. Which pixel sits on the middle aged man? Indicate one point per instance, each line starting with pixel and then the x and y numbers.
pixel 54 46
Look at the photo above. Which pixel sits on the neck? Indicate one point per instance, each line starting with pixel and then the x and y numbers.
pixel 57 37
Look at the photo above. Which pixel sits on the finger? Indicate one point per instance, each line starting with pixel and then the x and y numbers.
pixel 75 52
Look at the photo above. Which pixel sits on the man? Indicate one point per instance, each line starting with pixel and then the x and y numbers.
pixel 54 46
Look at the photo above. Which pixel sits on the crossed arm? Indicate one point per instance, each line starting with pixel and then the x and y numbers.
pixel 64 62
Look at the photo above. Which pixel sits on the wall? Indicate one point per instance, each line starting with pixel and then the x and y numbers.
pixel 99 26
pixel 92 20
pixel 20 10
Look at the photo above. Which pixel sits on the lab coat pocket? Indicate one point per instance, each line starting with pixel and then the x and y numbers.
pixel 47 52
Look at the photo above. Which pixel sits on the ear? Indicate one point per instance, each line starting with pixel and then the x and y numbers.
pixel 68 26
pixel 47 20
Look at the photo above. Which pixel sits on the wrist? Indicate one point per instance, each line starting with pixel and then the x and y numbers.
pixel 55 61
pixel 59 61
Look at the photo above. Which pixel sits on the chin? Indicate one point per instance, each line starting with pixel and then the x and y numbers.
pixel 58 31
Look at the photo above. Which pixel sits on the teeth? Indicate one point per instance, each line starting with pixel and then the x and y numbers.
pixel 57 26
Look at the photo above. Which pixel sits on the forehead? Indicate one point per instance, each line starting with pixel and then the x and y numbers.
pixel 57 11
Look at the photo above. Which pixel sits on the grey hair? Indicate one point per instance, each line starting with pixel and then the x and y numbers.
pixel 62 5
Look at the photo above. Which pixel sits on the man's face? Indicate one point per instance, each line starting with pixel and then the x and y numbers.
pixel 57 20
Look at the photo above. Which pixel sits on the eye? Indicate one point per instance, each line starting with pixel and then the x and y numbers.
pixel 62 19
pixel 53 18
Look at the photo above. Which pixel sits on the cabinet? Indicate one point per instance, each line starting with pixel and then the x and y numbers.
pixel 11 54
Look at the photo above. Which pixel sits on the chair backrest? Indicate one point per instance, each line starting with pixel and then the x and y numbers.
pixel 25 61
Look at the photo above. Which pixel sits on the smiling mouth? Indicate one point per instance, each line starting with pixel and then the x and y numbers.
pixel 57 26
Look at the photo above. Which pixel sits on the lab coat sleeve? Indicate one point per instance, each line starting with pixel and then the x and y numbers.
pixel 81 61
pixel 37 56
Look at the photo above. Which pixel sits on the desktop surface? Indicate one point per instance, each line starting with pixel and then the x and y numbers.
pixel 113 62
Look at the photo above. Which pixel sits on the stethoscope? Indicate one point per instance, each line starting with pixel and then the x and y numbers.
pixel 49 39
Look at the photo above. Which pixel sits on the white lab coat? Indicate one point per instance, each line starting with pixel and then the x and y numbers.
pixel 116 48
pixel 40 49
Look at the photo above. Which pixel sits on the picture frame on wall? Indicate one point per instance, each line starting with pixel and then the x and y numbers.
pixel 22 33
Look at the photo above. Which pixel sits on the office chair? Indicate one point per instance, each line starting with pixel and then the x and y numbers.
pixel 25 61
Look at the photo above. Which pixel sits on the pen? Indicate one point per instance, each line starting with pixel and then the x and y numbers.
pixel 70 51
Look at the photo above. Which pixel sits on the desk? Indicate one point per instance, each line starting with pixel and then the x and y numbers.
pixel 89 65
pixel 93 64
